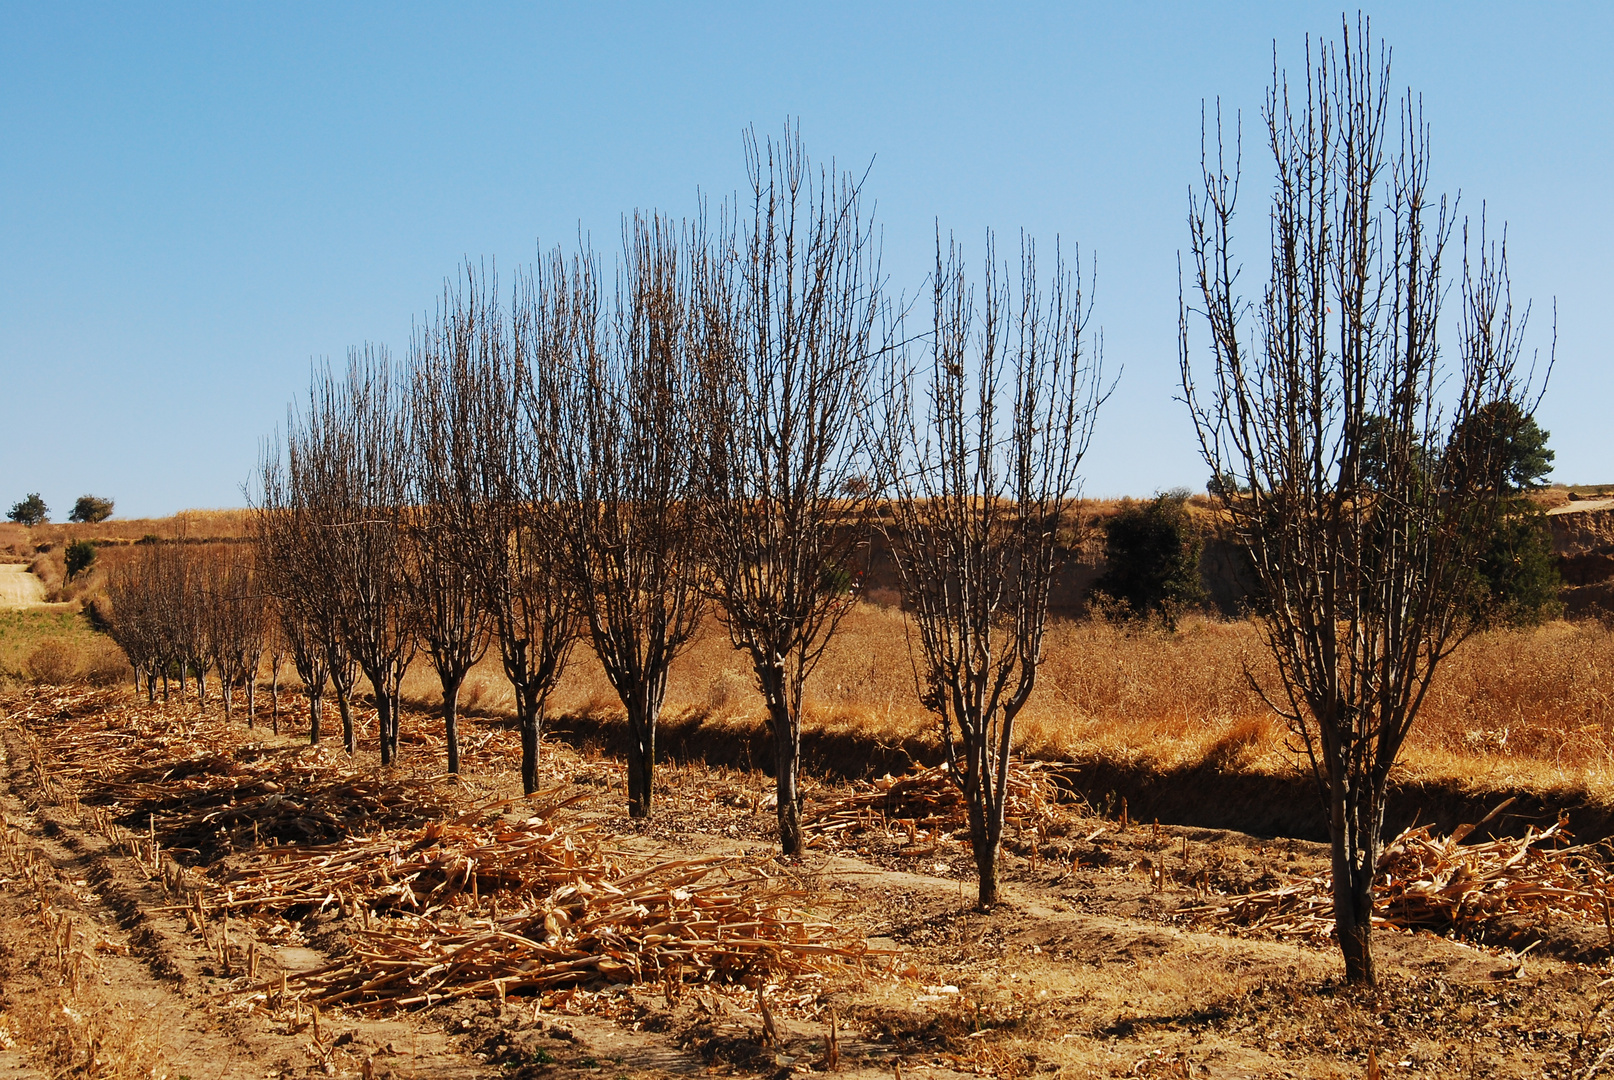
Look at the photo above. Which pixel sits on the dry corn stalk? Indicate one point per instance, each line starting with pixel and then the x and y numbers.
pixel 1443 885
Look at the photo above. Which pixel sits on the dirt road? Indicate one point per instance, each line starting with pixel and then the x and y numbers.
pixel 19 588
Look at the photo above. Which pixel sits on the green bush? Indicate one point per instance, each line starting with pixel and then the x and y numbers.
pixel 30 511
pixel 1152 550
pixel 91 510
pixel 1516 582
pixel 79 556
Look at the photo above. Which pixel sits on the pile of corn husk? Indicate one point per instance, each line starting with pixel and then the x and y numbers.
pixel 482 909
pixel 929 799
pixel 1444 885
pixel 698 920
pixel 444 899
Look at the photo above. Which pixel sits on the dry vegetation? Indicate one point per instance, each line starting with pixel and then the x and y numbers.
pixel 1528 707
pixel 162 871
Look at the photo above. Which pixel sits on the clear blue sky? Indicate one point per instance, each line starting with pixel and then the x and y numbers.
pixel 195 202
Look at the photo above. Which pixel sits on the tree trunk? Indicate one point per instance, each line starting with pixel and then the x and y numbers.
pixel 201 689
pixel 274 696
pixel 531 716
pixel 383 712
pixel 252 698
pixel 787 760
pixel 350 738
pixel 151 686
pixel 316 706
pixel 986 866
pixel 786 754
pixel 1353 909
pixel 642 718
pixel 165 684
pixel 395 716
pixel 451 733
pixel 984 839
pixel 1356 823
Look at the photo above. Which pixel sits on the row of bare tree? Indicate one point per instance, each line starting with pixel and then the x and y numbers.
pixel 707 431
pixel 180 611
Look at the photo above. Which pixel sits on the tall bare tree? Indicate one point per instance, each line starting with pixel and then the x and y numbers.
pixel 484 373
pixel 790 309
pixel 628 433
pixel 444 566
pixel 980 455
pixel 1327 398
pixel 346 475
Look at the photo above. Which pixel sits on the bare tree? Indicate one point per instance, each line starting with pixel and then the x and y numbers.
pixel 1334 411
pixel 788 335
pixel 307 592
pixel 442 572
pixel 627 442
pixel 346 475
pixel 981 455
pixel 135 622
pixel 487 373
pixel 276 644
pixel 228 615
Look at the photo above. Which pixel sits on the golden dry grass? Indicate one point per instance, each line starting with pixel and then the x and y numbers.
pixel 1527 706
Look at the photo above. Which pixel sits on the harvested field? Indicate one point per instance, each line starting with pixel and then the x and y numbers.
pixel 223 901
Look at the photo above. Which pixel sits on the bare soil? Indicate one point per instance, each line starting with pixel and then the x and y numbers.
pixel 1087 969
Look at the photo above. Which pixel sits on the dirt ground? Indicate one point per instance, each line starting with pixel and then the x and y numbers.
pixel 19 588
pixel 1088 968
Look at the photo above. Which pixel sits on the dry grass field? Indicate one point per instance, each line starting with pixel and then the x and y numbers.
pixel 1511 709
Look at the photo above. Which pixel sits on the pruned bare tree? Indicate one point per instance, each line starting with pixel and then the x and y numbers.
pixel 1328 400
pixel 346 479
pixel 626 450
pixel 790 310
pixel 232 621
pixel 276 645
pixel 484 375
pixel 305 588
pixel 980 455
pixel 443 570
pixel 135 622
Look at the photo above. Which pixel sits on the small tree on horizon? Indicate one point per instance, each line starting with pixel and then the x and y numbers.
pixel 90 510
pixel 30 511
pixel 1151 551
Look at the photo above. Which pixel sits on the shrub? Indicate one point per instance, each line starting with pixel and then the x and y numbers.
pixel 30 511
pixel 91 510
pixel 52 662
pixel 79 556
pixel 1516 583
pixel 1152 550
